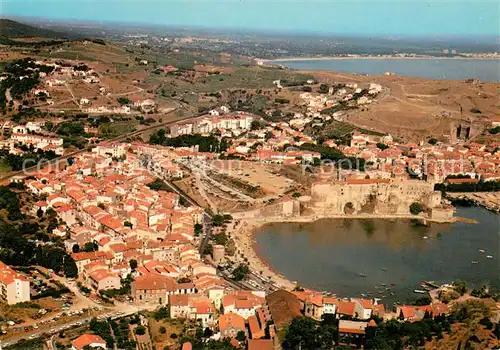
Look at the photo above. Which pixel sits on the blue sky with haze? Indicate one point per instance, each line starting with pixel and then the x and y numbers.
pixel 368 17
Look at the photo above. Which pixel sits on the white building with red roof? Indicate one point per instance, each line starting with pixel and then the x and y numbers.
pixel 14 288
pixel 103 280
pixel 88 340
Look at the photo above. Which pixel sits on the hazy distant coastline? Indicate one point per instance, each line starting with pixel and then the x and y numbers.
pixel 329 58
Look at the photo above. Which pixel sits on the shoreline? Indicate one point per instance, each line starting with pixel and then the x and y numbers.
pixel 332 58
pixel 244 238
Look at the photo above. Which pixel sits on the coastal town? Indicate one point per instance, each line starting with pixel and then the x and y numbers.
pixel 126 224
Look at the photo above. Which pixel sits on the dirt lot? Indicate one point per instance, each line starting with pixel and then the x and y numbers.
pixel 163 340
pixel 263 175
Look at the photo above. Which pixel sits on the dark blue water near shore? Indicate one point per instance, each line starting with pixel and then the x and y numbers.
pixel 447 69
pixel 331 254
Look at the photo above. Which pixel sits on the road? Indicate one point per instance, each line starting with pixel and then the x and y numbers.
pixel 207 231
pixel 116 314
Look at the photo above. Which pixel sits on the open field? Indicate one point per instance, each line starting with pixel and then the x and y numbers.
pixel 262 175
pixel 164 340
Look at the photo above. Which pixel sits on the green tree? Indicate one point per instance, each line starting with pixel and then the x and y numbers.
pixel 240 272
pixel 89 247
pixel 416 208
pixel 208 333
pixel 161 313
pixel 460 287
pixel 240 336
pixel 133 264
pixel 198 228
pixel 140 330
pixel 301 333
pixel 382 146
pixel 123 100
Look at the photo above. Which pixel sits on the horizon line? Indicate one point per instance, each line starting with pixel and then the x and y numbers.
pixel 246 30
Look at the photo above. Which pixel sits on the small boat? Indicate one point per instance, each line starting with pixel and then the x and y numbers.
pixel 431 284
pixel 425 237
pixel 489 256
pixel 383 269
pixel 402 278
pixel 481 250
pixel 392 293
pixel 393 284
pixel 426 287
pixel 363 295
pixel 383 284
pixel 419 291
pixel 362 275
pixel 474 262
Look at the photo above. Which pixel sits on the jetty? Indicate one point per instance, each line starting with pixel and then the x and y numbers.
pixel 465 220
pixel 488 200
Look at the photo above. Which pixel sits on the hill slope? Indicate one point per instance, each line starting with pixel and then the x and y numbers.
pixel 13 30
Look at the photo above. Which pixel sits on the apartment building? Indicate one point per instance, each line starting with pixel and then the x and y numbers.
pixel 14 288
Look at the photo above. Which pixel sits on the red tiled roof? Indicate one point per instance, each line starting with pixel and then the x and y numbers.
pixel 154 282
pixel 353 181
pixel 260 344
pixel 87 339
pixel 231 320
pixel 346 308
pixel 8 275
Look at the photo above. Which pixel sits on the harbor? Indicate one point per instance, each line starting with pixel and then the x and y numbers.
pixel 394 261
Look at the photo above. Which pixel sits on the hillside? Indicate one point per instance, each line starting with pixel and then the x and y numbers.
pixel 15 30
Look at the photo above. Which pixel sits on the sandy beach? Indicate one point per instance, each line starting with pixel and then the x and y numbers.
pixel 243 236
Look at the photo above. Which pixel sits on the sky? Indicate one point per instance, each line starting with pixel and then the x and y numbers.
pixel 368 17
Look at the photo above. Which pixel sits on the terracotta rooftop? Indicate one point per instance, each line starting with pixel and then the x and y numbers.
pixel 231 320
pixel 87 339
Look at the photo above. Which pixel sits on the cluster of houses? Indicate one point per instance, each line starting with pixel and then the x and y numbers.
pixel 29 135
pixel 350 93
pixel 281 142
pixel 234 123
pixel 432 162
pixel 145 105
pixel 66 71
pixel 107 202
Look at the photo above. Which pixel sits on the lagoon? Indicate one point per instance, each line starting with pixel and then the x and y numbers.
pixel 428 68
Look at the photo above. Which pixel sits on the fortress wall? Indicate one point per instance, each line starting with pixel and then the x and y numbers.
pixel 394 197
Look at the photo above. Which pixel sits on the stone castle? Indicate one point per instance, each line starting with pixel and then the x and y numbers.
pixel 357 198
pixel 377 196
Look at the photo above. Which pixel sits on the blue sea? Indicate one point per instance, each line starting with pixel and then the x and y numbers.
pixel 443 69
